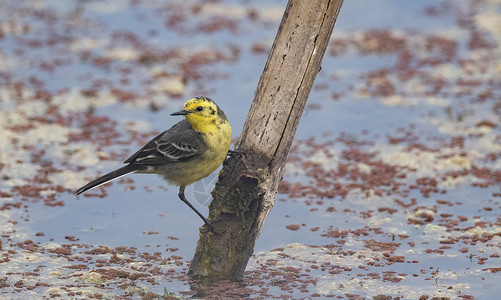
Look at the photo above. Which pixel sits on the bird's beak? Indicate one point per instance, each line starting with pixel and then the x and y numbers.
pixel 180 113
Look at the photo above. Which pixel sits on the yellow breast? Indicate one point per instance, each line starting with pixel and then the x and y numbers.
pixel 217 139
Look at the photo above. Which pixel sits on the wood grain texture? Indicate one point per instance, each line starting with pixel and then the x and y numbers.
pixel 245 191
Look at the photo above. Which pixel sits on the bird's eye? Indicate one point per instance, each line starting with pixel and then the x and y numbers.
pixel 200 108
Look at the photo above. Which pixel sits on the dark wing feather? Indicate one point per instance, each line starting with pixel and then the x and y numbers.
pixel 178 143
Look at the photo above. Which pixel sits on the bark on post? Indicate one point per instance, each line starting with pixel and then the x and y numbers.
pixel 245 191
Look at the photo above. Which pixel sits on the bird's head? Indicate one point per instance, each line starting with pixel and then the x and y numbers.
pixel 201 111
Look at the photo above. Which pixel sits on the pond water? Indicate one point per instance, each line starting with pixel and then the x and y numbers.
pixel 391 191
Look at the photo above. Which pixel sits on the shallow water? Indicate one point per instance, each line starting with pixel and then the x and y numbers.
pixel 392 188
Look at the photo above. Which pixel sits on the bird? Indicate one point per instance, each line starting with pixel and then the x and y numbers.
pixel 190 150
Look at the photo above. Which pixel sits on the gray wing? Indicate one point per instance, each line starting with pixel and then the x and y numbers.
pixel 178 143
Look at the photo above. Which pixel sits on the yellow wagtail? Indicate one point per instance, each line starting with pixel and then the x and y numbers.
pixel 187 152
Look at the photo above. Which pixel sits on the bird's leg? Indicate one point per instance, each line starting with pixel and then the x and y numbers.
pixel 183 198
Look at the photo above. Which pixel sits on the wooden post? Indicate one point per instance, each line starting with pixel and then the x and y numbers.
pixel 245 191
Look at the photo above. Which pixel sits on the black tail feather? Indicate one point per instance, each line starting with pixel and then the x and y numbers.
pixel 109 177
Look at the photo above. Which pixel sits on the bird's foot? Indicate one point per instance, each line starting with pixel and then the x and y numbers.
pixel 234 152
pixel 208 227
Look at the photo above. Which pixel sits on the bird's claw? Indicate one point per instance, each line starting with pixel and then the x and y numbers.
pixel 208 227
pixel 235 152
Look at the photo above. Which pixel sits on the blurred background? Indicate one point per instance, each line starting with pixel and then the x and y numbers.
pixel 392 188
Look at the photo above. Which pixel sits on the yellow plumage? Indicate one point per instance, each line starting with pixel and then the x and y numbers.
pixel 187 152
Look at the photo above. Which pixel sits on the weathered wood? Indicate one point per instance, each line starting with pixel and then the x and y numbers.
pixel 245 191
